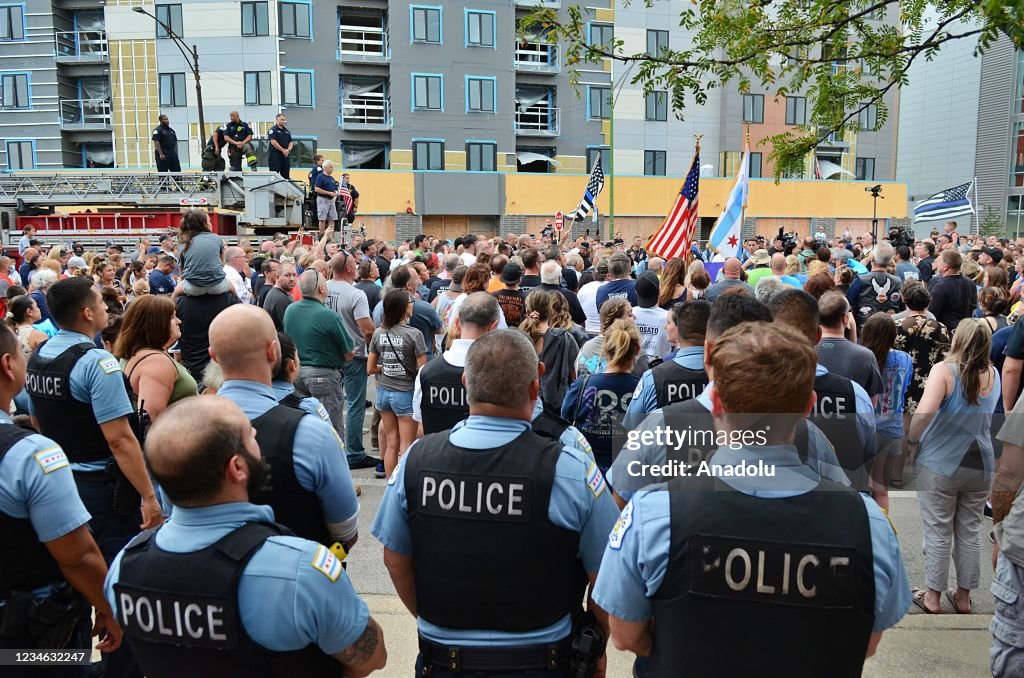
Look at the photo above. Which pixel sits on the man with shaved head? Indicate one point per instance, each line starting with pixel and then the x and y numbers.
pixel 296 613
pixel 731 272
pixel 311 490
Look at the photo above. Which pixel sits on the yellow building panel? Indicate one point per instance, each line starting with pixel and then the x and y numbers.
pixel 606 65
pixel 385 191
pixel 604 15
pixel 401 156
pixel 135 98
pixel 575 164
pixel 455 160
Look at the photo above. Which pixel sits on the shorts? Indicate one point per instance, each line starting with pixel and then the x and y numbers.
pixel 397 402
pixel 197 291
pixel 326 209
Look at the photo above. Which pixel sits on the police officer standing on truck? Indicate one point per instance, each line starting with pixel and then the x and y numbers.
pixel 439 401
pixel 811 569
pixel 49 560
pixel 165 145
pixel 280 152
pixel 310 486
pixel 222 590
pixel 485 527
pixel 78 399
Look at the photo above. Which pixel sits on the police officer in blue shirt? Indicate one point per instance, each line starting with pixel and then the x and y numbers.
pixel 281 145
pixel 49 560
pixel 810 569
pixel 283 381
pixel 78 399
pixel 310 488
pixel 681 378
pixel 485 527
pixel 268 603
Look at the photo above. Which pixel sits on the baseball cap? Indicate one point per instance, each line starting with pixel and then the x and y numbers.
pixel 647 287
pixel 511 274
pixel 994 252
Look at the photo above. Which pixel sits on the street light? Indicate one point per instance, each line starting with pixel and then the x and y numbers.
pixel 193 66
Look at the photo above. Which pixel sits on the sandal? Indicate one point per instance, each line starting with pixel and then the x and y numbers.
pixel 952 601
pixel 919 601
pixel 897 483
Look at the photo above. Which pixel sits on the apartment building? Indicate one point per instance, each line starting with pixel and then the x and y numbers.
pixel 55 96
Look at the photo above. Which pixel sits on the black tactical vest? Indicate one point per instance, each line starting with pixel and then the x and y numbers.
pixel 294 506
pixel 835 413
pixel 25 563
pixel 181 624
pixel 792 578
pixel 549 425
pixel 443 403
pixel 487 555
pixel 879 292
pixel 68 422
pixel 674 383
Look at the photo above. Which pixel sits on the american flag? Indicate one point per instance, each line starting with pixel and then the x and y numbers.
pixel 346 196
pixel 952 202
pixel 593 190
pixel 675 235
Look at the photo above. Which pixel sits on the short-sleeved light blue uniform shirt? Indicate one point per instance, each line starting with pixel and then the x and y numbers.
pixel 318 456
pixel 309 405
pixel 96 379
pixel 571 436
pixel 289 595
pixel 580 502
pixel 637 556
pixel 645 397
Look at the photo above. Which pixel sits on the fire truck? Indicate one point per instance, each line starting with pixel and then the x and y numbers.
pixel 100 207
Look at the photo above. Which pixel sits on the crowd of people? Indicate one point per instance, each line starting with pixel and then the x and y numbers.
pixel 863 365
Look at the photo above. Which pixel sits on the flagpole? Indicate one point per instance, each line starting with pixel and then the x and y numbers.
pixel 745 157
pixel 976 205
pixel 696 153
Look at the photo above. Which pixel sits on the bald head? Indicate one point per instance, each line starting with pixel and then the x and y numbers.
pixel 189 449
pixel 732 268
pixel 778 263
pixel 243 341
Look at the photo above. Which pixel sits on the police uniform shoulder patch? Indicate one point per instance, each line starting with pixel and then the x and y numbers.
pixel 322 412
pixel 639 389
pixel 595 480
pixel 327 563
pixel 109 365
pixel 622 526
pixel 51 459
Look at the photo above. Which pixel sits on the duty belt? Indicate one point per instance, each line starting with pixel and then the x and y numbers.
pixel 520 658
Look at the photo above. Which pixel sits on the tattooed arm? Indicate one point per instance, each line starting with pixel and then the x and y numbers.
pixel 367 654
pixel 1007 481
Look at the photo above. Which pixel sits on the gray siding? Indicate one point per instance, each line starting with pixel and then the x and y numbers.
pixel 992 163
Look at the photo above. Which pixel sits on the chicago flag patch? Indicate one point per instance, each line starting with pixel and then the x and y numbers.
pixel 327 562
pixel 51 459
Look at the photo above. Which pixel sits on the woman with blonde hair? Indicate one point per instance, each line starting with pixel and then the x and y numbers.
pixel 561 319
pixel 591 359
pixel 673 283
pixel 950 434
pixel 596 403
pixel 555 347
pixel 792 264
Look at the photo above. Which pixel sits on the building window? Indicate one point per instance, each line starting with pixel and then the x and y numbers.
pixel 654 163
pixel 796 111
pixel 14 91
pixel 481 156
pixel 12 22
pixel 295 20
pixel 657 106
pixel 753 108
pixel 755 165
pixel 255 18
pixel 427 92
pixel 865 169
pixel 257 88
pixel 168 16
pixel 368 155
pixel 599 105
pixel 479 95
pixel 428 155
pixel 1019 106
pixel 297 88
pixel 21 155
pixel 534 159
pixel 301 155
pixel 480 30
pixel 868 118
pixel 172 89
pixel 657 42
pixel 1017 148
pixel 1015 215
pixel 426 24
pixel 606 157
pixel 601 35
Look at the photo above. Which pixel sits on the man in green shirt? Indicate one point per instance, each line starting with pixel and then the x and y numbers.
pixel 323 345
pixel 759 261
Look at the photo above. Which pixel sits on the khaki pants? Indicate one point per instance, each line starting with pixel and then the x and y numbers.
pixel 951 513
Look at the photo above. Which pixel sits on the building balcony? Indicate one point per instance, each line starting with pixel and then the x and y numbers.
pixel 86 115
pixel 547 4
pixel 538 121
pixel 363 45
pixel 81 47
pixel 366 115
pixel 538 57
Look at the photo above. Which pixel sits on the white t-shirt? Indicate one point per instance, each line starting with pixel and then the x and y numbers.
pixel 241 284
pixel 468 259
pixel 650 323
pixel 588 300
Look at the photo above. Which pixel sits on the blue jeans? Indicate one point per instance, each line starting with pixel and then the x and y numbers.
pixel 355 408
pixel 112 533
pixel 437 672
